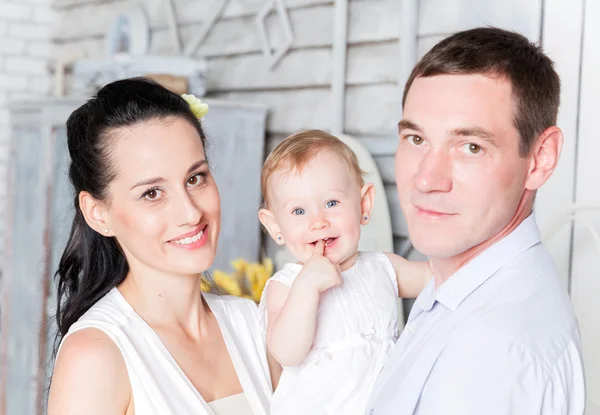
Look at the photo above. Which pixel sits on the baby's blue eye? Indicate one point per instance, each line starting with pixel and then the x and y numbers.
pixel 332 203
pixel 298 211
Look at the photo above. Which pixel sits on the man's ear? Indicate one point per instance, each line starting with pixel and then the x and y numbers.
pixel 94 213
pixel 544 157
pixel 268 221
pixel 367 200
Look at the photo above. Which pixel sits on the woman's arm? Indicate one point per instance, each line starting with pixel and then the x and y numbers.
pixel 412 276
pixel 90 377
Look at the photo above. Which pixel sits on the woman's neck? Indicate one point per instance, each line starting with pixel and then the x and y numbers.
pixel 166 300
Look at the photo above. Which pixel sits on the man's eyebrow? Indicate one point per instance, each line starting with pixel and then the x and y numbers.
pixel 408 125
pixel 476 132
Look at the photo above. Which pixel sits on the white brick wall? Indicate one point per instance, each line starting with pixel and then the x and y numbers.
pixel 11 10
pixel 25 53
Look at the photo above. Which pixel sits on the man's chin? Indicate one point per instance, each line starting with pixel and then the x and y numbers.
pixel 437 246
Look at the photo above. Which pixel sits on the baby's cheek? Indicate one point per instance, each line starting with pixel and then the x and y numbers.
pixel 353 234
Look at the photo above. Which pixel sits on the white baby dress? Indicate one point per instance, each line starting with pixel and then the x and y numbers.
pixel 357 327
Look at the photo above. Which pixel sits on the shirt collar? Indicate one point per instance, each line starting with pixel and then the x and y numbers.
pixel 469 277
pixel 426 299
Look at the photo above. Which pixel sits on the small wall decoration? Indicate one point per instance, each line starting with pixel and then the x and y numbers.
pixel 129 34
pixel 215 11
pixel 288 35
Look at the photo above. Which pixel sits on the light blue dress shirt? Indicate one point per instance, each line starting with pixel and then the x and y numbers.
pixel 498 337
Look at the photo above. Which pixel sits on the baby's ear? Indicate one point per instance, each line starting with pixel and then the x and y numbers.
pixel 268 221
pixel 367 200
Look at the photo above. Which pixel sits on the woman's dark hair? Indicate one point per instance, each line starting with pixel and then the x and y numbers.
pixel 92 264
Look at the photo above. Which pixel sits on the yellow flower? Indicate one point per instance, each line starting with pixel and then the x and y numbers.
pixel 239 265
pixel 248 280
pixel 227 282
pixel 205 285
pixel 258 274
pixel 268 264
pixel 198 107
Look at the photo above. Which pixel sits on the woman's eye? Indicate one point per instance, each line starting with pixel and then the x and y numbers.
pixel 332 203
pixel 196 179
pixel 298 211
pixel 471 148
pixel 152 194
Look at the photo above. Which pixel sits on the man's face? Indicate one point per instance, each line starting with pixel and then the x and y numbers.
pixel 459 174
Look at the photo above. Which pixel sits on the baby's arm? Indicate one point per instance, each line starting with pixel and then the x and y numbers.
pixel 292 312
pixel 412 276
pixel 292 319
pixel 275 369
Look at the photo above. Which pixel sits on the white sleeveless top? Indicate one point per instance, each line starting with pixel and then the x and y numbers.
pixel 158 385
pixel 357 326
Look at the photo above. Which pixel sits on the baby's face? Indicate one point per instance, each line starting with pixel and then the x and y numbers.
pixel 321 202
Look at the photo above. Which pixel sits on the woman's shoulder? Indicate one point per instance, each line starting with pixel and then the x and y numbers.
pixel 96 331
pixel 112 315
pixel 89 362
pixel 111 308
pixel 85 347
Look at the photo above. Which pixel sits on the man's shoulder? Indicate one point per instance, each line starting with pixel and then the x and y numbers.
pixel 525 303
pixel 530 326
pixel 523 291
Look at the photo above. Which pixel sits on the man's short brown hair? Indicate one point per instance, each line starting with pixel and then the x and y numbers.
pixel 535 83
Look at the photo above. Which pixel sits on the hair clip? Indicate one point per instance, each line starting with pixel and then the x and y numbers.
pixel 198 107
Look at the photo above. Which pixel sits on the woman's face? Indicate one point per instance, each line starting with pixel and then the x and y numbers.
pixel 164 206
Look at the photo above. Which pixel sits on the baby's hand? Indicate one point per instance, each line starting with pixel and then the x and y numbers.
pixel 319 272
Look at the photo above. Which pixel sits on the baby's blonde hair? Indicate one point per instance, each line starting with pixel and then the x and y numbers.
pixel 294 152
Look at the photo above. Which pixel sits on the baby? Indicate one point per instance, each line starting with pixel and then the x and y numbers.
pixel 330 318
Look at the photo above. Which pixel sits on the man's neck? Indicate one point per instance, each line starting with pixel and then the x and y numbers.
pixel 444 268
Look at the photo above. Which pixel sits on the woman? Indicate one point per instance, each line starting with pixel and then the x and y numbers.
pixel 137 335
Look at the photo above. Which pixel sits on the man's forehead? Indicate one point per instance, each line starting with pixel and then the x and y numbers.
pixel 458 102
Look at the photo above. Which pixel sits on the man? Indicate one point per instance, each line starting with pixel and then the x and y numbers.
pixel 494 332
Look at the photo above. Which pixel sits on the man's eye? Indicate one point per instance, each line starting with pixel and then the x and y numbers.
pixel 471 148
pixel 415 139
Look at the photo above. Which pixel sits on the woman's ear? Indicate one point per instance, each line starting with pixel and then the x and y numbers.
pixel 94 213
pixel 367 199
pixel 268 221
